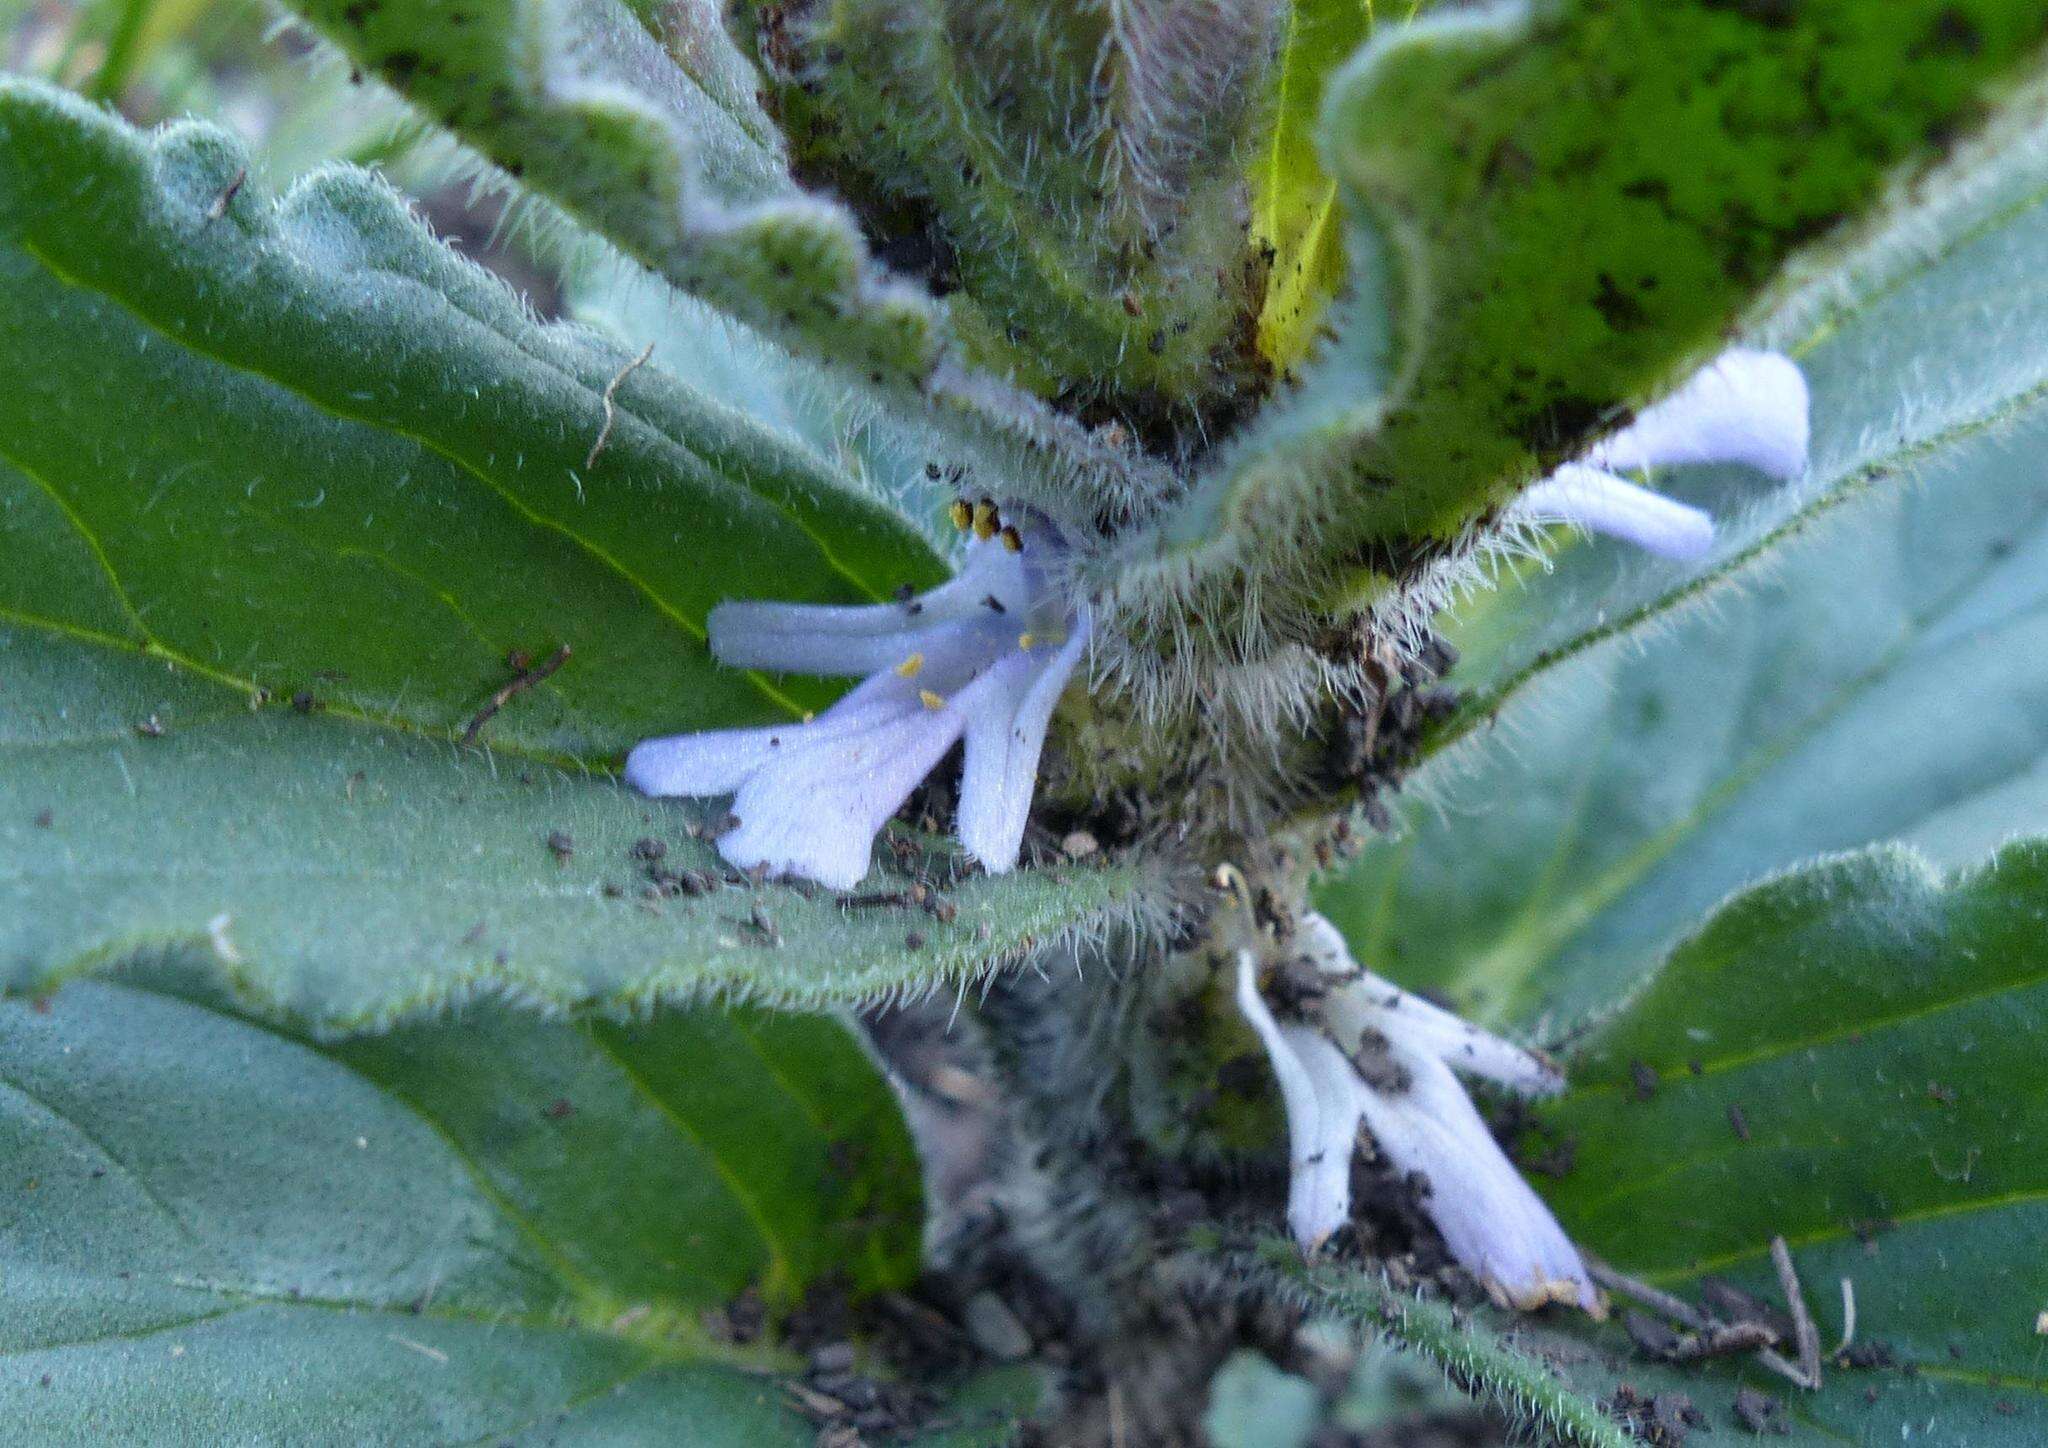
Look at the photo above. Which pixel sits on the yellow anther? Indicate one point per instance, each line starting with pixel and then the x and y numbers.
pixel 1026 640
pixel 909 667
pixel 962 514
pixel 986 520
pixel 931 700
pixel 809 715
pixel 1012 539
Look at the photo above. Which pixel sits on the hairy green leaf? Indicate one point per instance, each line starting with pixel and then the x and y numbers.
pixel 641 121
pixel 505 1230
pixel 886 451
pixel 1072 169
pixel 343 875
pixel 1863 663
pixel 346 423
pixel 1295 215
pixel 282 489
pixel 1569 205
pixel 1473 1350
pixel 1846 1057
pixel 1927 333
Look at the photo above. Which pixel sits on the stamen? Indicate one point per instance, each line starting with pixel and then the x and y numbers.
pixel 962 514
pixel 986 520
pixel 909 667
pixel 1012 539
pixel 1026 640
pixel 930 700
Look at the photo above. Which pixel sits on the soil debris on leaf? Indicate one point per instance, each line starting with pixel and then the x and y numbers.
pixel 1644 1078
pixel 1760 1412
pixel 1664 1420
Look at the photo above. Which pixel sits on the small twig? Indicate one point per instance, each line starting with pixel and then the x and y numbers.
pixel 880 900
pixel 1804 1333
pixel 1675 1308
pixel 222 202
pixel 524 680
pixel 611 411
pixel 1723 1340
pixel 1784 1368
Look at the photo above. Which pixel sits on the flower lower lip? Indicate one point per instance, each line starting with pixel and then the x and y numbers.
pixel 983 657
pixel 1418 1116
pixel 1746 407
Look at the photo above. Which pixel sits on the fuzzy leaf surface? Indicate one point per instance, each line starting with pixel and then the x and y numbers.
pixel 640 120
pixel 281 489
pixel 1295 211
pixel 1862 663
pixel 499 1229
pixel 1470 1346
pixel 1928 331
pixel 1845 1056
pixel 1602 186
pixel 353 424
pixel 1073 170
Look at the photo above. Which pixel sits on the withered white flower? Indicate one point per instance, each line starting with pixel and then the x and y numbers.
pixel 1371 1053
pixel 984 656
pixel 1745 407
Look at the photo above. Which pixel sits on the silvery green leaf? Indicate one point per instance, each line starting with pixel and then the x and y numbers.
pixel 224 1233
pixel 1069 173
pixel 641 121
pixel 290 494
pixel 498 1228
pixel 1871 674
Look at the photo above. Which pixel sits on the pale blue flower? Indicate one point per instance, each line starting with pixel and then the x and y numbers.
pixel 984 657
pixel 1745 407
pixel 1416 1114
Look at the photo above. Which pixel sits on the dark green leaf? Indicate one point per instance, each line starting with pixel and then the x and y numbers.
pixel 641 121
pixel 274 427
pixel 282 490
pixel 504 1230
pixel 1570 204
pixel 1846 1057
pixel 1930 332
pixel 1864 664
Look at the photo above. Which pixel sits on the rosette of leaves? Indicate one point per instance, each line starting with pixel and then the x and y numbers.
pixel 440 1089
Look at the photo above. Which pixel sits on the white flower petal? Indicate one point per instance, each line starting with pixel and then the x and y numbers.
pixel 1491 1221
pixel 832 639
pixel 1359 1001
pixel 1319 1188
pixel 811 797
pixel 817 811
pixel 1004 740
pixel 1373 1003
pixel 1323 945
pixel 717 762
pixel 1588 498
pixel 1744 407
pixel 789 639
pixel 1301 1101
